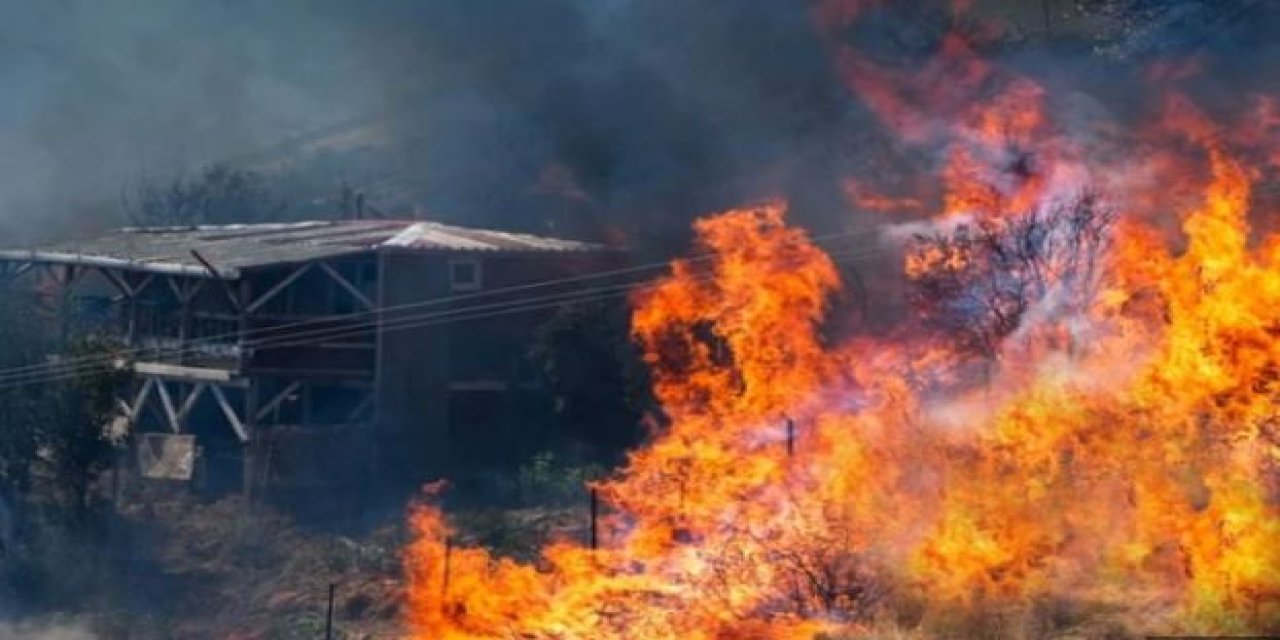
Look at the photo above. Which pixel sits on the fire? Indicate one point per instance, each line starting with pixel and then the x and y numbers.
pixel 1148 483
pixel 1084 408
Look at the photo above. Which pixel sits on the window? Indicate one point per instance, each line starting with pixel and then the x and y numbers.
pixel 464 275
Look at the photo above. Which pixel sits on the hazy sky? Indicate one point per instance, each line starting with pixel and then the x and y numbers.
pixel 652 105
pixel 652 110
pixel 97 93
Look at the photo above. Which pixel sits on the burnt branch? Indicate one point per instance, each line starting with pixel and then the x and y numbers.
pixel 976 284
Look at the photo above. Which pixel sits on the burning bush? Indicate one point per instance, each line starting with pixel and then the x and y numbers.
pixel 1123 454
pixel 799 485
pixel 978 283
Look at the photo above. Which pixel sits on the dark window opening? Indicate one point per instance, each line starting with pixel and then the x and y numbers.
pixel 464 275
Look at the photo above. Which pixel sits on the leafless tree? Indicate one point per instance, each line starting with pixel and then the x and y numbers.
pixel 220 194
pixel 977 283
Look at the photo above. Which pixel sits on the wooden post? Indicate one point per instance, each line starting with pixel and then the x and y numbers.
pixel 448 558
pixel 131 328
pixel 251 448
pixel 306 404
pixel 791 437
pixel 117 483
pixel 376 428
pixel 250 462
pixel 241 301
pixel 129 307
pixel 328 618
pixel 184 319
pixel 67 282
pixel 595 515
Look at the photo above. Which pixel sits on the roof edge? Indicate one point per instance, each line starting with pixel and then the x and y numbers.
pixel 169 268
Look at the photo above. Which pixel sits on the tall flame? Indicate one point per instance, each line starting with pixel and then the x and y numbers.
pixel 1148 482
pixel 1122 447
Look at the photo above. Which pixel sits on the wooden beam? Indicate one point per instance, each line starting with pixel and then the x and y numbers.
pixel 174 287
pixel 14 270
pixel 379 339
pixel 131 320
pixel 45 270
pixel 213 271
pixel 142 284
pixel 132 410
pixel 192 290
pixel 225 377
pixel 144 392
pixel 116 281
pixel 65 276
pixel 236 304
pixel 361 377
pixel 125 408
pixel 190 402
pixel 346 284
pixel 230 413
pixel 277 400
pixel 112 263
pixel 71 275
pixel 184 292
pixel 170 413
pixel 365 403
pixel 280 286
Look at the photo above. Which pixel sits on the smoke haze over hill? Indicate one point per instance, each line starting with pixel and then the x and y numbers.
pixel 615 118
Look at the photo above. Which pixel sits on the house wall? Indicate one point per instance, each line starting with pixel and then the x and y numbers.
pixel 454 383
pixel 448 365
pixel 338 337
pixel 411 377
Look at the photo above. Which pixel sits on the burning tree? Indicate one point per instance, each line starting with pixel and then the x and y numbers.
pixel 981 282
pixel 1141 476
pixel 721 528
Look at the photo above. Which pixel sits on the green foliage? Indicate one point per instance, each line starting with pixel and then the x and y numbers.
pixel 53 448
pixel 74 437
pixel 53 431
pixel 304 625
pixel 22 343
pixel 546 481
pixel 595 373
pixel 505 532
pixel 218 195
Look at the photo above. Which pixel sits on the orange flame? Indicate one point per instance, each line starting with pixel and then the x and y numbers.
pixel 1122 446
pixel 1087 481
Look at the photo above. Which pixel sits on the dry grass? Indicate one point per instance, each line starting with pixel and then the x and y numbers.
pixel 248 573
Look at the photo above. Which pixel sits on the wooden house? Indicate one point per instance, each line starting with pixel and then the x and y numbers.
pixel 263 353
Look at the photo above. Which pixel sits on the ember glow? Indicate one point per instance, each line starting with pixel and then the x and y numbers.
pixel 1083 408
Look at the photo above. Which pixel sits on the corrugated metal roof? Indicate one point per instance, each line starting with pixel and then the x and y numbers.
pixel 234 247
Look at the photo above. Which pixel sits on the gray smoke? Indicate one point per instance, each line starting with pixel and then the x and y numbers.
pixel 6 530
pixel 45 631
pixel 532 114
pixel 594 118
pixel 99 95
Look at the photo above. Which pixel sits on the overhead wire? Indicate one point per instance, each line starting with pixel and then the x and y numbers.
pixel 195 344
pixel 413 321
pixel 410 322
pixel 18 376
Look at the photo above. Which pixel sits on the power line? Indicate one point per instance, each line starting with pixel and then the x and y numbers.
pixel 411 322
pixel 518 307
pixel 194 344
